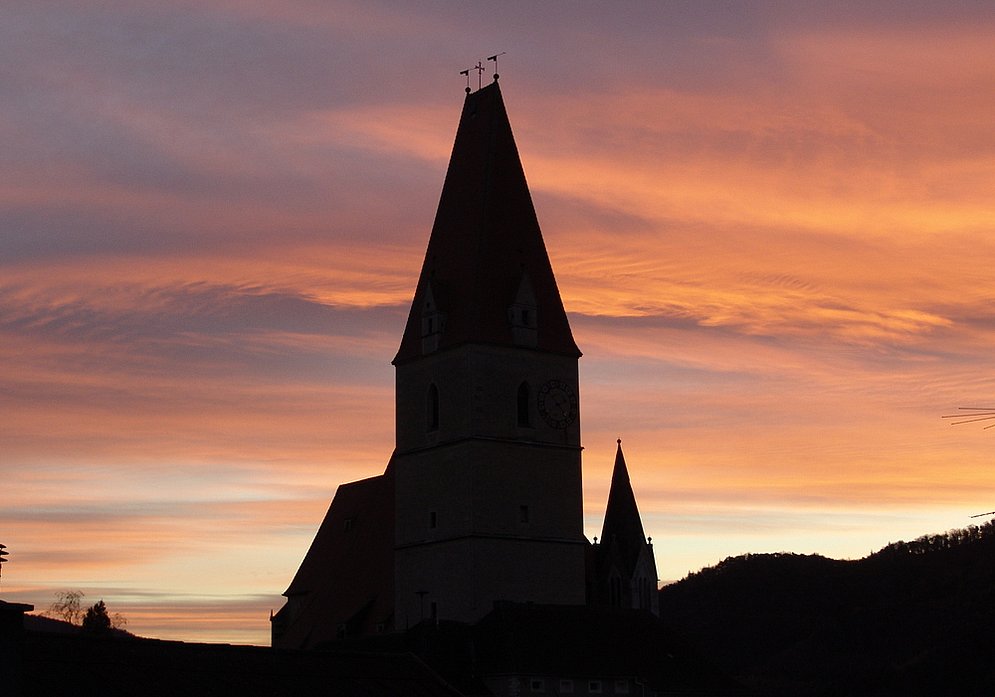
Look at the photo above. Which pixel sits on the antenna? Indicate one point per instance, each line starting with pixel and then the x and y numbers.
pixel 973 414
pixel 494 58
pixel 980 515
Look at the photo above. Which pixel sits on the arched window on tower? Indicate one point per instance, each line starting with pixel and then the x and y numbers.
pixel 523 315
pixel 524 401
pixel 433 407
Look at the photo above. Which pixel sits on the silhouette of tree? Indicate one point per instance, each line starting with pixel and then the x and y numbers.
pixel 970 415
pixel 118 621
pixel 96 620
pixel 67 607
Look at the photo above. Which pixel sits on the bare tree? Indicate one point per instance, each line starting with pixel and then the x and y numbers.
pixel 67 607
pixel 118 621
pixel 970 415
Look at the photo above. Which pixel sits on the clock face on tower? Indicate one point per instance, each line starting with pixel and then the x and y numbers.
pixel 557 404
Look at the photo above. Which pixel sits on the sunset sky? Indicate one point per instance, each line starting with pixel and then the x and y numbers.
pixel 773 228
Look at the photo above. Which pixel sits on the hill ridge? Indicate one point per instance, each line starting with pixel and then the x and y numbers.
pixel 912 618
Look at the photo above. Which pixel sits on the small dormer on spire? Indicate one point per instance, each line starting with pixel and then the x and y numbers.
pixel 433 321
pixel 523 315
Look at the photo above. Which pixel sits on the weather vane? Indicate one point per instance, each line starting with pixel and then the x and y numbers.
pixel 494 58
pixel 972 415
pixel 479 67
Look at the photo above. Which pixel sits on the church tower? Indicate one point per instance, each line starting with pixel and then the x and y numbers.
pixel 486 468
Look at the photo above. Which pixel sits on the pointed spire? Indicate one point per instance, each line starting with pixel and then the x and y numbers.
pixel 623 526
pixel 485 238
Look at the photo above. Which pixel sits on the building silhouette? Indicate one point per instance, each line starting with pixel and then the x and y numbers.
pixel 481 500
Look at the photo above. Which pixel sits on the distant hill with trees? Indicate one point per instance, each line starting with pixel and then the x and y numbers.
pixel 915 618
pixel 68 616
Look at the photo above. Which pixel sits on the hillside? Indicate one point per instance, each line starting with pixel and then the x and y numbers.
pixel 916 618
pixel 40 624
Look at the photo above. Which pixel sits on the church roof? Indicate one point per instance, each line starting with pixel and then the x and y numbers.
pixel 623 528
pixel 485 244
pixel 355 537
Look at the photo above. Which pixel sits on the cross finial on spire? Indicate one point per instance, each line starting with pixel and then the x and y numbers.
pixel 619 441
pixel 480 71
pixel 479 67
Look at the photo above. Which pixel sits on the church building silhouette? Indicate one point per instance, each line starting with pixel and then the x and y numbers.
pixel 481 501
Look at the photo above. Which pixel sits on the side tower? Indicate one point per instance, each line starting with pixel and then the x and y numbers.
pixel 487 474
pixel 624 567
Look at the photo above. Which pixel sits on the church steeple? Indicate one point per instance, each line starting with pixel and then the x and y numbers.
pixel 485 247
pixel 623 526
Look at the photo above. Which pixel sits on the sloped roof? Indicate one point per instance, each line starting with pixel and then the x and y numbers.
pixel 485 237
pixel 623 528
pixel 347 574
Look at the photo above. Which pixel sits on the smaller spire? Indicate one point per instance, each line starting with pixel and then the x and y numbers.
pixel 622 522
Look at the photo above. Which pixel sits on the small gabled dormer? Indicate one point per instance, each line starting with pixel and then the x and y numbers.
pixel 523 315
pixel 433 322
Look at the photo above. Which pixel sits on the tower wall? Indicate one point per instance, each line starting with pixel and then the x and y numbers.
pixel 464 577
pixel 487 508
pixel 478 396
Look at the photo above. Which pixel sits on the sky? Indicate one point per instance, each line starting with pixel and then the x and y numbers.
pixel 771 225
